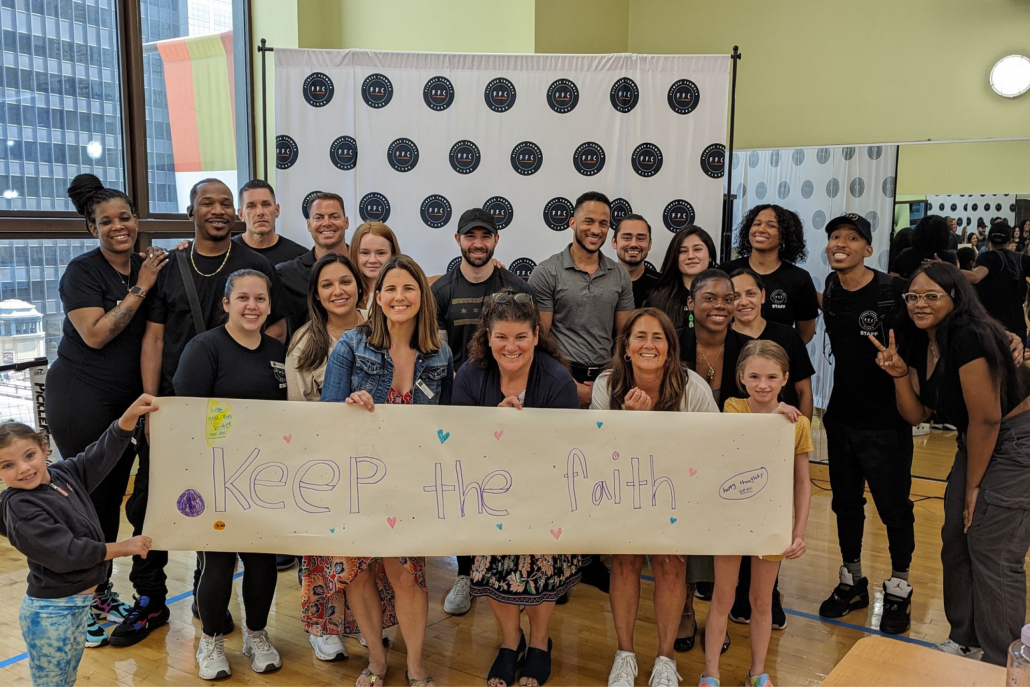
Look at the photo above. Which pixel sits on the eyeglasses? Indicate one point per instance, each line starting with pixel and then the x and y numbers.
pixel 521 298
pixel 931 297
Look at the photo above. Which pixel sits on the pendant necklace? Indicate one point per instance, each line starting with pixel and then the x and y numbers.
pixel 711 368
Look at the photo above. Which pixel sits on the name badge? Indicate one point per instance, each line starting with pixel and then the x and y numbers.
pixel 425 389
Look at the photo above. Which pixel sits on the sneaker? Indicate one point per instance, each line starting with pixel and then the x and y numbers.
pixel 459 599
pixel 227 627
pixel 144 616
pixel 849 595
pixel 284 562
pixel 107 605
pixel 327 647
pixel 740 612
pixel 897 606
pixel 762 680
pixel 664 673
pixel 624 669
pixel 95 635
pixel 211 661
pixel 596 574
pixel 706 681
pixel 779 618
pixel 949 646
pixel 259 648
pixel 703 591
pixel 362 642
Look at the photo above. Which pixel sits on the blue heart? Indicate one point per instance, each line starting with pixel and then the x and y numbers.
pixel 442 435
pixel 599 425
pixel 672 521
pixel 332 530
pixel 500 525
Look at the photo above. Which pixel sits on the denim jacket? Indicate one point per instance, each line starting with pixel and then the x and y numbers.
pixel 354 365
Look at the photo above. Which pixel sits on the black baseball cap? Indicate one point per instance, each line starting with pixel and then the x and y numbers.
pixel 1000 233
pixel 476 218
pixel 857 221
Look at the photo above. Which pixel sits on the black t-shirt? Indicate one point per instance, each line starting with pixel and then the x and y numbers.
pixel 283 250
pixel 735 342
pixel 296 274
pixel 910 259
pixel 215 365
pixel 790 295
pixel 459 303
pixel 171 307
pixel 643 285
pixel 1003 290
pixel 800 362
pixel 863 394
pixel 90 281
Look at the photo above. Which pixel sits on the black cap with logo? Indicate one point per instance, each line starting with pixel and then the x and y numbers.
pixel 476 218
pixel 1000 233
pixel 860 223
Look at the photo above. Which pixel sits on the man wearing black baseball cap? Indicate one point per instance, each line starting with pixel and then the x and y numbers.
pixel 460 295
pixel 1000 277
pixel 867 440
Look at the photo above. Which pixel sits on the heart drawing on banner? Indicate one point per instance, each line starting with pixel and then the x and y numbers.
pixel 287 438
pixel 442 435
pixel 692 472
pixel 332 530
pixel 599 425
pixel 672 521
pixel 500 525
pixel 391 522
pixel 498 435
pixel 556 534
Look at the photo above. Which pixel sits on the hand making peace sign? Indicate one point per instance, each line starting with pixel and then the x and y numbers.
pixel 888 358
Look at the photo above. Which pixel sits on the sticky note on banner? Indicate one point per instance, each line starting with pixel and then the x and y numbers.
pixel 219 420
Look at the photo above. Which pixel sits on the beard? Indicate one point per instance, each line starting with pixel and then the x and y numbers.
pixel 477 260
pixel 628 260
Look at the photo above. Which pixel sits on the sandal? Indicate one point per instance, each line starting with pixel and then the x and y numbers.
pixel 373 679
pixel 538 665
pixel 686 643
pixel 507 662
pixel 725 644
pixel 424 682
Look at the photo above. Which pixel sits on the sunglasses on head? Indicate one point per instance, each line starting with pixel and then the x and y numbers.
pixel 517 297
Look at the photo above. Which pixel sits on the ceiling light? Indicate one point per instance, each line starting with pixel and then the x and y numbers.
pixel 1010 77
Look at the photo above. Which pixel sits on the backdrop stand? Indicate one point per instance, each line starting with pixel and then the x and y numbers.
pixel 726 244
pixel 263 48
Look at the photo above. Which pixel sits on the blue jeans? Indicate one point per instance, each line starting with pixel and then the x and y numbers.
pixel 53 630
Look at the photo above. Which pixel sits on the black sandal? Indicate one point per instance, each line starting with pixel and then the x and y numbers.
pixel 507 662
pixel 538 665
pixel 686 643
pixel 725 644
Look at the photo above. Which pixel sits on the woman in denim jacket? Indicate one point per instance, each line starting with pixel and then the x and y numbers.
pixel 395 357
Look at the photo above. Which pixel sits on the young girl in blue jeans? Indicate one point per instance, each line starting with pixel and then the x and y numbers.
pixel 46 514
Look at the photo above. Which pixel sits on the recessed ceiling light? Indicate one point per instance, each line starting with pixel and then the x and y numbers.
pixel 1010 77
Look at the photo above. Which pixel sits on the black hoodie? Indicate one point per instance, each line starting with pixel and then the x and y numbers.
pixel 56 526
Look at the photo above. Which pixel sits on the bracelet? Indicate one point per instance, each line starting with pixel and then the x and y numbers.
pixel 898 376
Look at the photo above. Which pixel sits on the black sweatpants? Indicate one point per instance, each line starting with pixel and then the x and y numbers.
pixel 214 588
pixel 148 574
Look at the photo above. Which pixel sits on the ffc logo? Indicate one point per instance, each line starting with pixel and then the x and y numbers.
pixel 563 96
pixel 318 89
pixel 869 321
pixel 376 91
pixel 304 209
pixel 374 207
pixel 624 95
pixel 453 263
pixel 684 96
pixel 678 214
pixel 647 159
pixel 588 159
pixel 620 208
pixel 522 268
pixel 500 95
pixel 438 93
pixel 527 158
pixel 344 153
pixel 501 210
pixel 779 298
pixel 436 211
pixel 713 160
pixel 402 154
pixel 465 157
pixel 557 212
pixel 286 152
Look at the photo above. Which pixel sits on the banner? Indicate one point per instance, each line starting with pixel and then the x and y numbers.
pixel 415 139
pixel 327 478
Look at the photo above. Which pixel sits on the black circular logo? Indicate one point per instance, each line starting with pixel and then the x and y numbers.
pixel 376 91
pixel 647 159
pixel 438 93
pixel 527 158
pixel 500 95
pixel 318 89
pixel 588 158
pixel 286 151
pixel 778 297
pixel 453 264
pixel 522 268
pixel 305 205
pixel 464 157
pixel 557 212
pixel 624 95
pixel 713 160
pixel 678 214
pixel 501 210
pixel 374 207
pixel 402 154
pixel 563 96
pixel 436 211
pixel 344 152
pixel 684 96
pixel 620 208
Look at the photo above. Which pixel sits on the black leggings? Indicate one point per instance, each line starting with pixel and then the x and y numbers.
pixel 215 587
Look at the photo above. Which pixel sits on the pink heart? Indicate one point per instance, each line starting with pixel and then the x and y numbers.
pixel 498 435
pixel 287 438
pixel 692 472
pixel 391 522
pixel 556 534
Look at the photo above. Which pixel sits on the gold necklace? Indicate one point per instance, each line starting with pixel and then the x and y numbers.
pixel 711 369
pixel 193 248
pixel 935 353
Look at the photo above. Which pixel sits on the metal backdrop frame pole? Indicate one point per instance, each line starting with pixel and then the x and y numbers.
pixel 726 244
pixel 263 48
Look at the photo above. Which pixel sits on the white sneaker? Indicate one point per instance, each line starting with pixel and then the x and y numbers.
pixel 459 599
pixel 949 646
pixel 211 659
pixel 258 647
pixel 362 642
pixel 327 647
pixel 664 673
pixel 624 669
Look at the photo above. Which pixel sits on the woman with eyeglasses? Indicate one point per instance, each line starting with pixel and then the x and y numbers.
pixel 956 361
pixel 514 363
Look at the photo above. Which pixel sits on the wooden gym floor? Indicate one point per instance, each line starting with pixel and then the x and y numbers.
pixel 459 650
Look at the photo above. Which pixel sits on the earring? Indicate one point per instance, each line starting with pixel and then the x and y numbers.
pixel 690 319
pixel 627 357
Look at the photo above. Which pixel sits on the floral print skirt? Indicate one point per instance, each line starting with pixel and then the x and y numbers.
pixel 528 580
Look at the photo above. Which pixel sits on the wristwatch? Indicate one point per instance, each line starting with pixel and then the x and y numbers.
pixel 137 291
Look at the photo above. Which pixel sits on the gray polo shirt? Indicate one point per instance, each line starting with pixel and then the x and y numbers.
pixel 584 305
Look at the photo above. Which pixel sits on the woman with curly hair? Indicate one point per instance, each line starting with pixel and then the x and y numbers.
pixel 690 253
pixel 514 363
pixel 930 241
pixel 770 242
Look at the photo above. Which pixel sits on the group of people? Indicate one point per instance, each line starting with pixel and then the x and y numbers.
pixel 259 317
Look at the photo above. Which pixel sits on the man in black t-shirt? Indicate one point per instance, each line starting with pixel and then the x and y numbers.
pixel 867 440
pixel 632 243
pixel 259 211
pixel 1000 277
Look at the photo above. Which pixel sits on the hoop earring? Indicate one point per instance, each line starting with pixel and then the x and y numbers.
pixel 627 358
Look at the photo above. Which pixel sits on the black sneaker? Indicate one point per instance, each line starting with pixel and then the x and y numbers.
pixel 849 595
pixel 284 562
pixel 740 613
pixel 703 590
pixel 596 574
pixel 227 627
pixel 897 607
pixel 146 615
pixel 779 618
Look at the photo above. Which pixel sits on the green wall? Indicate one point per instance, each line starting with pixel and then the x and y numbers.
pixel 995 167
pixel 277 22
pixel 582 26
